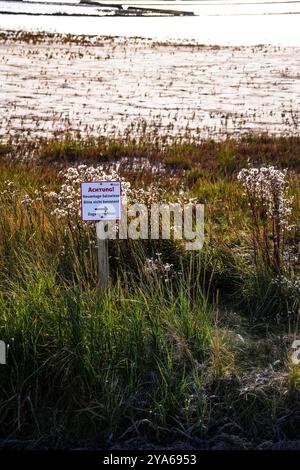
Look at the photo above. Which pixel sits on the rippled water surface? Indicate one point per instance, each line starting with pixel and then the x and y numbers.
pixel 109 85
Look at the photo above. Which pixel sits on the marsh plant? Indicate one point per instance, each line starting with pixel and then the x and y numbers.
pixel 270 208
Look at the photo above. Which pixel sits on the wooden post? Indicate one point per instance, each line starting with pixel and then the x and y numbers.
pixel 2 352
pixel 103 265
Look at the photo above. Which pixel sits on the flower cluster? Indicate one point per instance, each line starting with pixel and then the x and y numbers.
pixel 153 194
pixel 26 201
pixel 12 192
pixel 155 266
pixel 266 187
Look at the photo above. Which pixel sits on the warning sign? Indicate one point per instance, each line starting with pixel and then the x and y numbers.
pixel 101 200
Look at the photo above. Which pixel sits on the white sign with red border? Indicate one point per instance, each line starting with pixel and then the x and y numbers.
pixel 101 200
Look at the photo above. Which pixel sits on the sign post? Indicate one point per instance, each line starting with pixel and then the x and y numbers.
pixel 103 264
pixel 101 202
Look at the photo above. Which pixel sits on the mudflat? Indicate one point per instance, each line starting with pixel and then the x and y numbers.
pixel 54 83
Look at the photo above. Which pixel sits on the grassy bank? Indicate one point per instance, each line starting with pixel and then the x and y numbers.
pixel 189 347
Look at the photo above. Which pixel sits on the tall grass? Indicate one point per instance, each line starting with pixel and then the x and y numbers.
pixel 154 358
pixel 97 356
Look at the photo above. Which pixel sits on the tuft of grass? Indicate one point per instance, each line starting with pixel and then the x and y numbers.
pixel 226 159
pixel 178 162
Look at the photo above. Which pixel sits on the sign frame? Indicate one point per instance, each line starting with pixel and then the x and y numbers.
pixel 101 181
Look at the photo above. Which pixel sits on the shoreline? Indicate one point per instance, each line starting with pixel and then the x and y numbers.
pixel 91 39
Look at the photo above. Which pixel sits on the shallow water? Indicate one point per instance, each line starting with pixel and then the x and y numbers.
pixel 111 85
pixel 223 23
